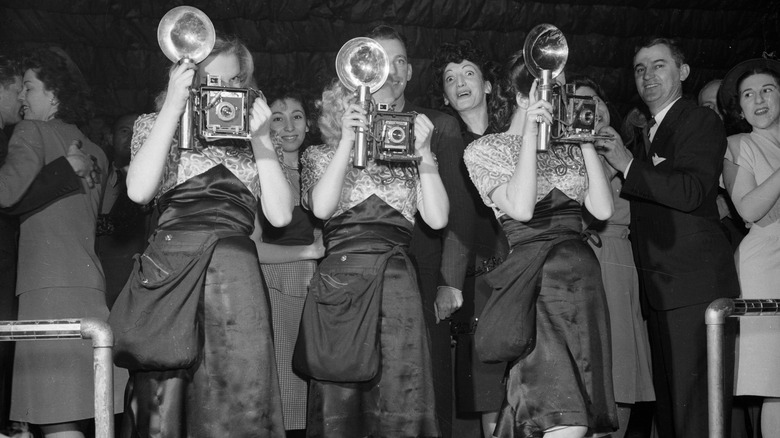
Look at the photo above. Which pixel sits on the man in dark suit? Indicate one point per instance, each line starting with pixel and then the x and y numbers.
pixel 440 256
pixel 683 257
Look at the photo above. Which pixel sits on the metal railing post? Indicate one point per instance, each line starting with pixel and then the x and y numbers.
pixel 102 344
pixel 715 318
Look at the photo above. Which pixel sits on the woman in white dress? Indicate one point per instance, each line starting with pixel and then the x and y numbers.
pixel 751 93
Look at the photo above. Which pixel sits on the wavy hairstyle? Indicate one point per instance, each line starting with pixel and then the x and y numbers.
pixel 456 53
pixel 514 78
pixel 61 76
pixel 280 89
pixel 223 44
pixel 335 99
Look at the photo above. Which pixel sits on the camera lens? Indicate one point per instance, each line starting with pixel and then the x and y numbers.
pixel 396 134
pixel 226 111
pixel 587 117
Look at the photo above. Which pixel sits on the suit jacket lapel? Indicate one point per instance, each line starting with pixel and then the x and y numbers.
pixel 666 128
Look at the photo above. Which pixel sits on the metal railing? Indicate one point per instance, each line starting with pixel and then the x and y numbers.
pixel 715 318
pixel 102 344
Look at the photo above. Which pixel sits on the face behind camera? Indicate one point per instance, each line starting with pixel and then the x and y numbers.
pixel 222 112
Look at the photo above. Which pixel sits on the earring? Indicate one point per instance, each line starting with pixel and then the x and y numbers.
pixel 446 101
pixel 53 101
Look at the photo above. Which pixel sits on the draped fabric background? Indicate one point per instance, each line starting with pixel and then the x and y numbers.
pixel 114 42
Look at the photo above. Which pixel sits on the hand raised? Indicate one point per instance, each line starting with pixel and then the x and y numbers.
pixel 260 117
pixel 538 111
pixel 423 132
pixel 179 84
pixel 354 117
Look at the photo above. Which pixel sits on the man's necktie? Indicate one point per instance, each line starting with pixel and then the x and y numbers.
pixel 650 124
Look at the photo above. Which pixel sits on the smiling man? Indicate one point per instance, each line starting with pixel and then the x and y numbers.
pixel 683 257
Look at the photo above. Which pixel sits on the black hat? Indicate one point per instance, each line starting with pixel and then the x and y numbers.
pixel 727 95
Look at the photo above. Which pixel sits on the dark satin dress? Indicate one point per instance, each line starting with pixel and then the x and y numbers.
pixel 234 390
pixel 566 379
pixel 399 401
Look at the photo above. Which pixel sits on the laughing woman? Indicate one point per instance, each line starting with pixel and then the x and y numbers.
pixel 289 254
pixel 59 273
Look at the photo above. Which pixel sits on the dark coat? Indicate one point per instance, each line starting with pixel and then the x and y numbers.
pixel 683 256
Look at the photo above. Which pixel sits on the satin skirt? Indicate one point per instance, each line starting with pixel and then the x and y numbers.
pixel 566 380
pixel 399 402
pixel 234 390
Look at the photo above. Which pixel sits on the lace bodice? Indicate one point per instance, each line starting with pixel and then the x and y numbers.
pixel 182 165
pixel 397 185
pixel 491 161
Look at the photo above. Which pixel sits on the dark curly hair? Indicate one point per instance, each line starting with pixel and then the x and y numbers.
pixel 60 76
pixel 514 78
pixel 456 53
pixel 280 89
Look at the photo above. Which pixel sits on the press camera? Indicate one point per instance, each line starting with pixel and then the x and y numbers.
pixel 392 135
pixel 222 112
pixel 574 117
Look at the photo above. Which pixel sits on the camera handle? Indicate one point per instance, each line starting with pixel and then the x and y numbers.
pixel 545 94
pixel 360 157
pixel 186 128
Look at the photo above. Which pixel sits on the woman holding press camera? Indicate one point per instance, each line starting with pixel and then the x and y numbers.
pixel 631 368
pixel 212 190
pixel 559 382
pixel 367 278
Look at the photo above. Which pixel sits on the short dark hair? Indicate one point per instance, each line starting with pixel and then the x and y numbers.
pixel 671 43
pixel 385 32
pixel 10 69
pixel 737 119
pixel 64 81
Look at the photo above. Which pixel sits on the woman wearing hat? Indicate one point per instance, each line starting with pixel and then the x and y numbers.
pixel 751 96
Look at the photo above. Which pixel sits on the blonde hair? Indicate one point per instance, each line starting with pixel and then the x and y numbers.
pixel 229 45
pixel 335 99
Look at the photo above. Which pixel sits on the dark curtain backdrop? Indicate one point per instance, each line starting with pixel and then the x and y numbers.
pixel 115 45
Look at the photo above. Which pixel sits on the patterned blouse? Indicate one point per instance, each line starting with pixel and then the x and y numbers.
pixel 182 165
pixel 491 161
pixel 397 185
